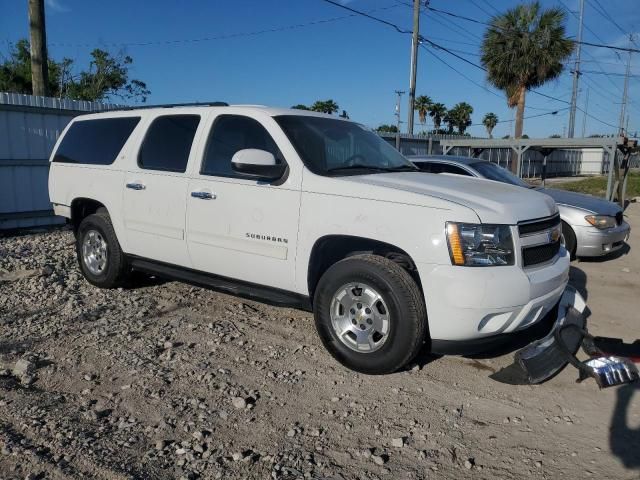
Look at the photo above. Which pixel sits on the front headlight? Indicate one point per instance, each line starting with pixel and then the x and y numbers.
pixel 601 221
pixel 479 245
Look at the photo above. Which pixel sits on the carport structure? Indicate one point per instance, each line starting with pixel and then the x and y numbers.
pixel 618 164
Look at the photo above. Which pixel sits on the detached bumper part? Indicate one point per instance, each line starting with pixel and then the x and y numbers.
pixel 611 371
pixel 544 358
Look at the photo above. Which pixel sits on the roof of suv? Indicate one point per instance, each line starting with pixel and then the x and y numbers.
pixel 191 108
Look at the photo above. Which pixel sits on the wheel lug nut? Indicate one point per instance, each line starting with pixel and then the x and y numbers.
pixel 354 321
pixel 353 311
pixel 367 310
pixel 362 327
pixel 369 321
pixel 359 305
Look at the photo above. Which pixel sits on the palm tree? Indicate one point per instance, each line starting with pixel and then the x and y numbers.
pixel 422 105
pixel 437 111
pixel 461 116
pixel 300 106
pixel 522 49
pixel 490 121
pixel 326 106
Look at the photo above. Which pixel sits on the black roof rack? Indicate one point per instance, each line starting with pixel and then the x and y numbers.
pixel 167 105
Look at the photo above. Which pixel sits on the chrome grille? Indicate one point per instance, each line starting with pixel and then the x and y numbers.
pixel 535 226
pixel 536 236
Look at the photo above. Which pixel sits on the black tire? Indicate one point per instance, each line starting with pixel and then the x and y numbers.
pixel 569 240
pixel 116 269
pixel 407 313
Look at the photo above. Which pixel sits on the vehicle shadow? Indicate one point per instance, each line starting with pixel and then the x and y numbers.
pixel 624 440
pixel 578 280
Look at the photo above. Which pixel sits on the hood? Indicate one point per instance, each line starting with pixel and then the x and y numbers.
pixel 493 202
pixel 581 200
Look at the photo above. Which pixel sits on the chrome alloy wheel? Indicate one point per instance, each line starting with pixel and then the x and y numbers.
pixel 94 252
pixel 360 317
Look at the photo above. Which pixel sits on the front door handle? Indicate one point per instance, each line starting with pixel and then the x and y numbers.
pixel 204 195
pixel 136 186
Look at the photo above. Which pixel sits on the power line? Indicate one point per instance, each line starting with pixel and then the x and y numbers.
pixel 478 84
pixel 480 8
pixel 480 22
pixel 491 5
pixel 601 10
pixel 458 56
pixel 218 37
pixel 371 17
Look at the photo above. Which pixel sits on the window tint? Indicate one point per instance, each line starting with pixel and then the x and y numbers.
pixel 229 134
pixel 168 143
pixel 423 166
pixel 437 167
pixel 494 172
pixel 95 142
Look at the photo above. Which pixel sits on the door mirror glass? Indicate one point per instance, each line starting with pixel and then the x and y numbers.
pixel 258 163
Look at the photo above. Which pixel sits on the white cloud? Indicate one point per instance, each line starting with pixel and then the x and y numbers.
pixel 56 6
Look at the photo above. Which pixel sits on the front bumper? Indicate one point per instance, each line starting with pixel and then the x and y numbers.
pixel 466 306
pixel 592 242
pixel 544 358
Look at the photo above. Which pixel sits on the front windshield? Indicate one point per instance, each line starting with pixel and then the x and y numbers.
pixel 334 147
pixel 494 172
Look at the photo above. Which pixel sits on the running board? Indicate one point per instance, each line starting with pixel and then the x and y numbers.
pixel 251 291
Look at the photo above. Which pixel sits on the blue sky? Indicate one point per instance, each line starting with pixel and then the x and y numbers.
pixel 352 60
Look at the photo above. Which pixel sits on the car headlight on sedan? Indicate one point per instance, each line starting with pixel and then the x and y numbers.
pixel 601 221
pixel 480 245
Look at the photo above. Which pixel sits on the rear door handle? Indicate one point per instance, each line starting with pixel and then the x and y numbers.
pixel 204 195
pixel 136 186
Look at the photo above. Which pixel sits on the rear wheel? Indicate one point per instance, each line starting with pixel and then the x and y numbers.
pixel 569 239
pixel 370 314
pixel 100 257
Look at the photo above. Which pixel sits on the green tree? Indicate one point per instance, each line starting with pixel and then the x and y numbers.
pixel 300 106
pixel 325 106
pixel 490 121
pixel 106 77
pixel 522 49
pixel 437 111
pixel 387 128
pixel 422 105
pixel 460 116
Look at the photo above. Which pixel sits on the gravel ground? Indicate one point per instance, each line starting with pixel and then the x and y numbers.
pixel 165 380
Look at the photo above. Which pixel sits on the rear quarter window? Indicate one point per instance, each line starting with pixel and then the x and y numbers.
pixel 95 142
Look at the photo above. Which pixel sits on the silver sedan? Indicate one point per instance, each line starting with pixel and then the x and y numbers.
pixel 591 226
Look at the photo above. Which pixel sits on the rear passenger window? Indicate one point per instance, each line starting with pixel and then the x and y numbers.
pixel 95 142
pixel 168 142
pixel 229 134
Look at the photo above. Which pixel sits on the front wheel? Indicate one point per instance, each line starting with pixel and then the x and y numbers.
pixel 569 240
pixel 370 314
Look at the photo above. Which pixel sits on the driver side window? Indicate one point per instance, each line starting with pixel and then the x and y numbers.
pixel 229 134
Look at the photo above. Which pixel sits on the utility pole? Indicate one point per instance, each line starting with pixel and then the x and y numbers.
pixel 415 41
pixel 623 108
pixel 576 75
pixel 584 117
pixel 398 96
pixel 39 63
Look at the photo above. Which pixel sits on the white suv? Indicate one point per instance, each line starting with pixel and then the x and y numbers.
pixel 307 210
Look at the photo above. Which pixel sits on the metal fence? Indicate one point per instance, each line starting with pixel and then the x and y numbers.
pixel 560 163
pixel 29 128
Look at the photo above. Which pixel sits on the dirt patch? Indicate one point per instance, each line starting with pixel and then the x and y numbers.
pixel 165 380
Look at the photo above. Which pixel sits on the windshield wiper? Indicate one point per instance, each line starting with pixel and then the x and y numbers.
pixel 405 168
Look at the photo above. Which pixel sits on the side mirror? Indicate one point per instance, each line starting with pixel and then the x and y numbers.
pixel 257 163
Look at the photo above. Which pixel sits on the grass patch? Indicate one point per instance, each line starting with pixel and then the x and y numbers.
pixel 598 185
